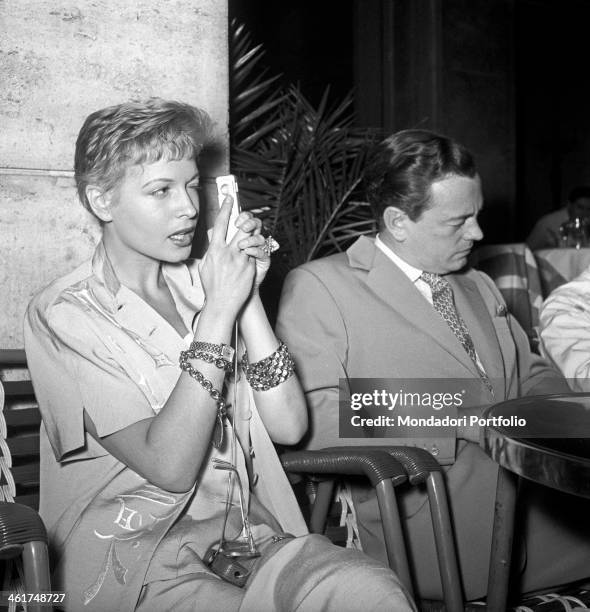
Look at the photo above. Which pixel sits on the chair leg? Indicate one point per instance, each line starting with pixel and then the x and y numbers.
pixel 504 510
pixel 445 544
pixel 321 506
pixel 392 530
pixel 36 572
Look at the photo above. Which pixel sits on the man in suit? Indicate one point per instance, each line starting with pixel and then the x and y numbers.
pixel 404 305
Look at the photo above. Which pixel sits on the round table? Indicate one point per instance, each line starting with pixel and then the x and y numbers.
pixel 540 438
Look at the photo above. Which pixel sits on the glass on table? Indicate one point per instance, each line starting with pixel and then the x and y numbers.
pixel 575 233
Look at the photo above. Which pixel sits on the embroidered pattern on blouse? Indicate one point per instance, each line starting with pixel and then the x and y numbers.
pixel 142 513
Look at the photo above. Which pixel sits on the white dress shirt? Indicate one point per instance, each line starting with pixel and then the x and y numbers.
pixel 414 274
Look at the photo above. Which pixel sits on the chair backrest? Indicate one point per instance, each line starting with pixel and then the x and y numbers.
pixel 19 431
pixel 513 269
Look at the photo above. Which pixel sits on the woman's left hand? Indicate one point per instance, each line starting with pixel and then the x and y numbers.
pixel 252 245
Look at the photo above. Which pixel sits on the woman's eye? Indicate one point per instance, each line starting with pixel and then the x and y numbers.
pixel 160 193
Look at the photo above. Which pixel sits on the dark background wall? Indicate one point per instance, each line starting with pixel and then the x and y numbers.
pixel 553 126
pixel 309 42
pixel 505 77
pixel 477 105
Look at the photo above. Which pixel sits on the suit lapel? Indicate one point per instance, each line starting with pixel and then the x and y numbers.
pixel 391 285
pixel 474 313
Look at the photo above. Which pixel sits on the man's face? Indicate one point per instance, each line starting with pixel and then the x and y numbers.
pixel 442 237
pixel 580 208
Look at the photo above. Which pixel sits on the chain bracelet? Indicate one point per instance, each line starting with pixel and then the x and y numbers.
pixel 204 382
pixel 220 362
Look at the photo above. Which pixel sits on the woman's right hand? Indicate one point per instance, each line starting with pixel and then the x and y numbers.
pixel 227 273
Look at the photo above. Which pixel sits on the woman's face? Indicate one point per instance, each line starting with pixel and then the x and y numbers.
pixel 154 210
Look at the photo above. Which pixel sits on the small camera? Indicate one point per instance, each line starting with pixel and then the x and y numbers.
pixel 228 186
pixel 226 567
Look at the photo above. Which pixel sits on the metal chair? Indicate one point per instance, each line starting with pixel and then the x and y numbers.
pixel 22 533
pixel 422 467
pixel 383 471
pixel 418 466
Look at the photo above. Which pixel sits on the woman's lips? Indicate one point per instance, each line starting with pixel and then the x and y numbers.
pixel 183 237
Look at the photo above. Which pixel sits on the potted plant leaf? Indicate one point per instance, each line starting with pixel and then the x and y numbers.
pixel 299 166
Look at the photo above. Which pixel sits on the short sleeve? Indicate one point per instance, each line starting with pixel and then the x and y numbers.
pixel 73 368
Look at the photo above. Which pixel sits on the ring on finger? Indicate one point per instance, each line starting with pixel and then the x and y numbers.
pixel 270 246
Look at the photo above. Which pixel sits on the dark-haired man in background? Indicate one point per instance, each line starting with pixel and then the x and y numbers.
pixel 404 305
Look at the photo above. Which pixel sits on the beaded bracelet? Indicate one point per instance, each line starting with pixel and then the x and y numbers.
pixel 270 371
pixel 214 393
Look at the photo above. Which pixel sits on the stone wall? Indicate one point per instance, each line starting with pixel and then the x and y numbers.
pixel 59 61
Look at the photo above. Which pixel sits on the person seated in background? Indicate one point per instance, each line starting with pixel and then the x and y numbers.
pixel 145 487
pixel 404 306
pixel 546 232
pixel 564 330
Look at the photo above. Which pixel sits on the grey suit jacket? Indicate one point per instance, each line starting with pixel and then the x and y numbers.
pixel 357 315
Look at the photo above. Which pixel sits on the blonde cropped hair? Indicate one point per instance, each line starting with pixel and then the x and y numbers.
pixel 132 133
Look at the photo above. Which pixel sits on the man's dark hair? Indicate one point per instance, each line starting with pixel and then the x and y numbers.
pixel 581 191
pixel 402 168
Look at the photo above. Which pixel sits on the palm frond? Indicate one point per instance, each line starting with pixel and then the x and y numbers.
pixel 301 164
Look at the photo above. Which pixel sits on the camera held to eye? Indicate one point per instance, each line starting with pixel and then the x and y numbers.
pixel 228 186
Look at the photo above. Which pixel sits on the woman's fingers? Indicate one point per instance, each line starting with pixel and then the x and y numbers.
pixel 219 232
pixel 229 271
pixel 247 224
pixel 251 241
pixel 256 252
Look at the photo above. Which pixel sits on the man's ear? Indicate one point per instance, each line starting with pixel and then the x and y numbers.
pixel 100 202
pixel 395 220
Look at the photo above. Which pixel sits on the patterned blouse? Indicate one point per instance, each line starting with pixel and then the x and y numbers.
pixel 94 345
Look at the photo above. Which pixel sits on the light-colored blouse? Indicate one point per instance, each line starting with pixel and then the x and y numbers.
pixel 94 345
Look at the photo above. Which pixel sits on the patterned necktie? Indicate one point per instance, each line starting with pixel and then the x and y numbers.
pixel 444 304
